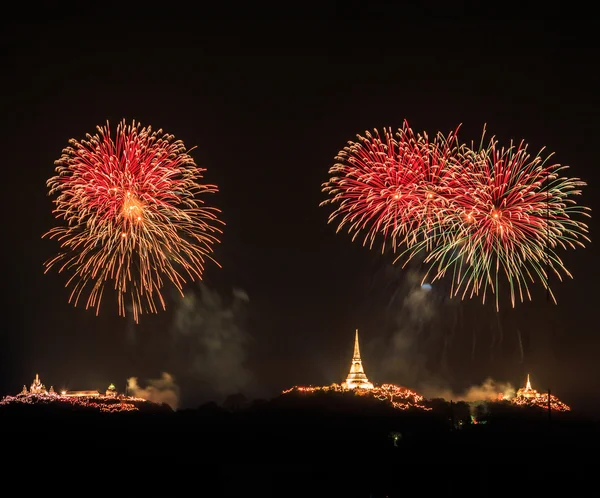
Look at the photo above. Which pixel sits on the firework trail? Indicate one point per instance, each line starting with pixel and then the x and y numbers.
pixel 399 187
pixel 511 214
pixel 130 217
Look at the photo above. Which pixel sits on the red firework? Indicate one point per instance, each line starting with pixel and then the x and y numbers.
pixel 399 187
pixel 485 216
pixel 510 215
pixel 131 216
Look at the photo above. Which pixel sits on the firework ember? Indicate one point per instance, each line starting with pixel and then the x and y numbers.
pixel 131 217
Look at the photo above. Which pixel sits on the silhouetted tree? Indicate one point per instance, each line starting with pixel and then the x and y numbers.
pixel 235 402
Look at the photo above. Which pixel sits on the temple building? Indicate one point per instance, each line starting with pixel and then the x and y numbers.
pixel 111 392
pixel 527 396
pixel 37 387
pixel 528 391
pixel 357 378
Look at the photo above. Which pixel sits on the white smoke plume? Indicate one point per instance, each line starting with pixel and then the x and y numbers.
pixel 163 390
pixel 487 391
pixel 425 332
pixel 413 313
pixel 211 344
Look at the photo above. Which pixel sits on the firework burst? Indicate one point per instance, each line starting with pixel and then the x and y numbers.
pixel 482 215
pixel 131 217
pixel 399 187
pixel 511 214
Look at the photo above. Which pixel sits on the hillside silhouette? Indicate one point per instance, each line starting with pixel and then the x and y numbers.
pixel 301 445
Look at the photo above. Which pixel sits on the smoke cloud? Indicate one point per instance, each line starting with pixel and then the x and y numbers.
pixel 487 391
pixel 163 390
pixel 433 343
pixel 211 345
pixel 413 316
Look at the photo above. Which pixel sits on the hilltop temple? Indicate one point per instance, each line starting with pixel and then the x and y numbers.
pixel 357 379
pixel 527 391
pixel 527 396
pixel 38 388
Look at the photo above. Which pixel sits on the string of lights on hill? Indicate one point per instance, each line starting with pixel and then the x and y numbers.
pixel 527 396
pixel 109 402
pixel 403 398
pixel 399 397
pixel 101 403
pixel 357 382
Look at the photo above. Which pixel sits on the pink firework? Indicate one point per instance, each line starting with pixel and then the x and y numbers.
pixel 131 216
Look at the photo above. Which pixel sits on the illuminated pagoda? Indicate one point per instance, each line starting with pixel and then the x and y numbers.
pixel 527 396
pixel 527 391
pixel 357 378
pixel 399 397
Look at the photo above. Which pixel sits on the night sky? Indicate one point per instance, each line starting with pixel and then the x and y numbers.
pixel 268 104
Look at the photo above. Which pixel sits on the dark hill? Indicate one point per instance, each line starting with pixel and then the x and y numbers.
pixel 325 445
